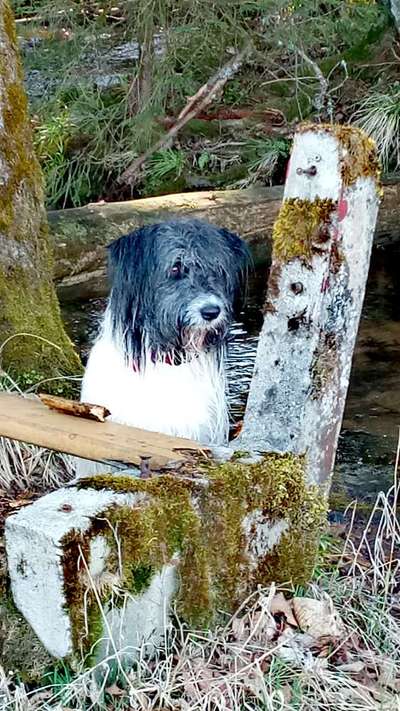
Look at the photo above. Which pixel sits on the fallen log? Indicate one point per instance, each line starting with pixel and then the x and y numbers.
pixel 80 234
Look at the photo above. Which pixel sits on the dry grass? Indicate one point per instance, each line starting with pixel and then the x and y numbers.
pixel 27 471
pixel 257 660
pixel 248 664
pixel 379 116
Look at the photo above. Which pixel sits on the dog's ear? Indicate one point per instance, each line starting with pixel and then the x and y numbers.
pixel 122 252
pixel 125 274
pixel 241 262
pixel 239 249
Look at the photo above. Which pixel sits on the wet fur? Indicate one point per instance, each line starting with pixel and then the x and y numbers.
pixel 157 363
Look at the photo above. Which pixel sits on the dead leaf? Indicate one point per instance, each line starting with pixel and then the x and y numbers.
pixel 39 697
pixel 18 503
pixel 287 694
pixel 280 605
pixel 254 683
pixel 318 617
pixel 239 629
pixel 114 690
pixel 138 701
pixel 333 647
pixel 351 667
pixel 388 673
pixel 294 646
pixel 264 627
pixel 198 678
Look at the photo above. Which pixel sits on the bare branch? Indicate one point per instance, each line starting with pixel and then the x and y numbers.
pixel 196 103
pixel 321 97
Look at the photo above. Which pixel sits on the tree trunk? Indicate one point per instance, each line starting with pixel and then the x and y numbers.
pixel 141 88
pixel 32 337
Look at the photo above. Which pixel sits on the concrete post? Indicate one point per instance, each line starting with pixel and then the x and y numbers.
pixel 321 250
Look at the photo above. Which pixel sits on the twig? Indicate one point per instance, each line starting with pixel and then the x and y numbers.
pixel 196 103
pixel 85 410
pixel 321 97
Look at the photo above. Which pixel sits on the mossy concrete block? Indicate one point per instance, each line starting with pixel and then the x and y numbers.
pixel 36 540
pixel 95 568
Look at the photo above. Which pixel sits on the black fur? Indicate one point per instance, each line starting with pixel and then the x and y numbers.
pixel 161 273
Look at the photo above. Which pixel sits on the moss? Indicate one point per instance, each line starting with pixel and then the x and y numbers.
pixel 79 600
pixel 340 500
pixel 300 229
pixel 9 23
pixel 359 157
pixel 203 522
pixel 37 381
pixel 21 652
pixel 154 532
pixel 141 577
pixel 201 127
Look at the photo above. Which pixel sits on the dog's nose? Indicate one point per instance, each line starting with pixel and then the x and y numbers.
pixel 210 312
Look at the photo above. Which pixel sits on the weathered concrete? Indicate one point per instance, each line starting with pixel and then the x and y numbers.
pixel 94 568
pixel 35 538
pixel 322 245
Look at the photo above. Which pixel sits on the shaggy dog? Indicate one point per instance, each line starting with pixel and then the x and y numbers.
pixel 158 362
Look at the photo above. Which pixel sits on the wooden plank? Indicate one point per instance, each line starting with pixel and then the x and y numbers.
pixel 322 245
pixel 28 420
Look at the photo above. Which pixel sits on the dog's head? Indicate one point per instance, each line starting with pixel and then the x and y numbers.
pixel 175 286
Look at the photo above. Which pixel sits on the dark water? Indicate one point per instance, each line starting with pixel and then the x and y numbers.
pixel 372 417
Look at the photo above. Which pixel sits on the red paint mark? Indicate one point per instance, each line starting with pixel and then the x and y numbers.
pixel 325 284
pixel 342 209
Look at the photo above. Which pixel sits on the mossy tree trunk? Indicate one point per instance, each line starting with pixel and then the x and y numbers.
pixel 32 337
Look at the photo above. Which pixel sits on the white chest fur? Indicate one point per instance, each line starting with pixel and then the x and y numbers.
pixel 186 400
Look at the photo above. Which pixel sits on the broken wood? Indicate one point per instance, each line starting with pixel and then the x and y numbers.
pixel 72 407
pixel 29 420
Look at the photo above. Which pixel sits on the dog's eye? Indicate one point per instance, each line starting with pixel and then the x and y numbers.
pixel 178 270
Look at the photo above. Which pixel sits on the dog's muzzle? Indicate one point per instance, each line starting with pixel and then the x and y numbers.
pixel 205 324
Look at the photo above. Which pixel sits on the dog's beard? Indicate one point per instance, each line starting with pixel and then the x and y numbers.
pixel 200 339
